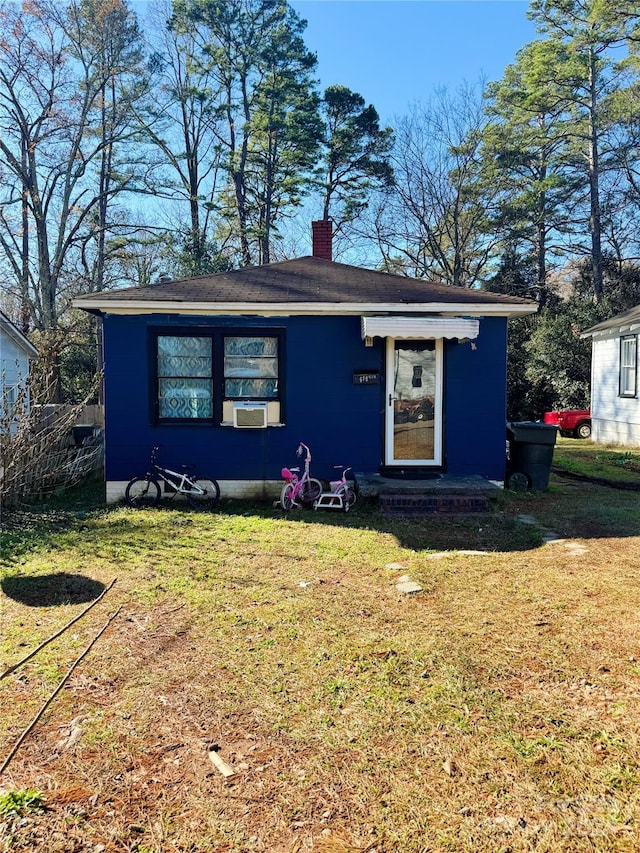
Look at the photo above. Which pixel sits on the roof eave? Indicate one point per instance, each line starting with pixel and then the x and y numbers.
pixel 274 309
pixel 612 331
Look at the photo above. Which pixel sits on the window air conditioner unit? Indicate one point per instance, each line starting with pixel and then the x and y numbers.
pixel 250 415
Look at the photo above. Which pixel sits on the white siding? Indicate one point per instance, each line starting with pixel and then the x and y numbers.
pixel 14 368
pixel 614 419
pixel 241 489
pixel 14 363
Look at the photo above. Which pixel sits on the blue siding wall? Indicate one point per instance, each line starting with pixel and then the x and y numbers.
pixel 340 421
pixel 475 402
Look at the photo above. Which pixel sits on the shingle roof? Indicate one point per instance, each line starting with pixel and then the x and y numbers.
pixel 300 281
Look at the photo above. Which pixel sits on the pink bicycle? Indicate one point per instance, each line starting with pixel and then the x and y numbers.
pixel 299 490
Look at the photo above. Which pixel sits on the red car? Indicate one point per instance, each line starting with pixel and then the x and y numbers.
pixel 572 422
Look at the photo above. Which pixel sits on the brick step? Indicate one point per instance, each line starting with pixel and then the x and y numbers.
pixel 430 504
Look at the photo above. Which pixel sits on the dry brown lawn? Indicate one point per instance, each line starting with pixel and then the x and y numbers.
pixel 496 710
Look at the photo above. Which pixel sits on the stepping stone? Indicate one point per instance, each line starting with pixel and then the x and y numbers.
pixel 408 587
pixel 551 538
pixel 575 549
pixel 527 519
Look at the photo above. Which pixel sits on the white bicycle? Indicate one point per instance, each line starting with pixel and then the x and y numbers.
pixel 158 482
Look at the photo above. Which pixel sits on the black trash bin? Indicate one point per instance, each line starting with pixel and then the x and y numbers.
pixel 530 455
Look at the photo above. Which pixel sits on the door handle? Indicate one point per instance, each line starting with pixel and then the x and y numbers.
pixel 390 400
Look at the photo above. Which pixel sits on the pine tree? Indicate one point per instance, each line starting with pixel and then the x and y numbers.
pixel 269 130
pixel 356 159
pixel 587 77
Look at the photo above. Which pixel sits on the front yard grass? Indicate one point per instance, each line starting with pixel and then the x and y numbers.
pixel 496 710
pixel 608 462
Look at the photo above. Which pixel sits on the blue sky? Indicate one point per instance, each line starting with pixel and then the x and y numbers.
pixel 396 52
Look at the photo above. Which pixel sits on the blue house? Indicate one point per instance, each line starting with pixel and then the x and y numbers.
pixel 231 371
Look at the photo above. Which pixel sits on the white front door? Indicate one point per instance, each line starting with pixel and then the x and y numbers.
pixel 413 423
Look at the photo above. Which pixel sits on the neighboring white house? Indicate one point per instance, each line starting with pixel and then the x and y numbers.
pixel 16 353
pixel 615 405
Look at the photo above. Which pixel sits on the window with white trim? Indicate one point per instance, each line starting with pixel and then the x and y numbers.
pixel 628 365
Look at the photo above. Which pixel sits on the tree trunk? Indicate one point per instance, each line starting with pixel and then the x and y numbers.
pixel 265 235
pixel 25 309
pixel 239 173
pixel 594 183
pixel 191 151
pixel 541 243
pixel 541 262
pixel 105 181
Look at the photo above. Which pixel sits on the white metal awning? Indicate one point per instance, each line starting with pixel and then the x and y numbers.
pixel 420 327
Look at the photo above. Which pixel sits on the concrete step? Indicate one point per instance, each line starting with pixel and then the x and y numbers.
pixel 370 485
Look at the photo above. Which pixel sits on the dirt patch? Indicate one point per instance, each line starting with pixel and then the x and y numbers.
pixel 598 481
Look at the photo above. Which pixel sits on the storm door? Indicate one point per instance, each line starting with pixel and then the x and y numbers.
pixel 414 402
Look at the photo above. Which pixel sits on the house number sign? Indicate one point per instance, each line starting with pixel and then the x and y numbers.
pixel 366 377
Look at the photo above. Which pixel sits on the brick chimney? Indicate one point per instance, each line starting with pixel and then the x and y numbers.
pixel 322 239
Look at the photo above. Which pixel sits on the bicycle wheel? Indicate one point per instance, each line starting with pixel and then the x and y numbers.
pixel 211 493
pixel 348 498
pixel 142 492
pixel 311 491
pixel 286 496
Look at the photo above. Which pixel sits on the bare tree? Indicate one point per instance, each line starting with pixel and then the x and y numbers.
pixel 434 223
pixel 182 124
pixel 270 127
pixel 106 42
pixel 66 82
